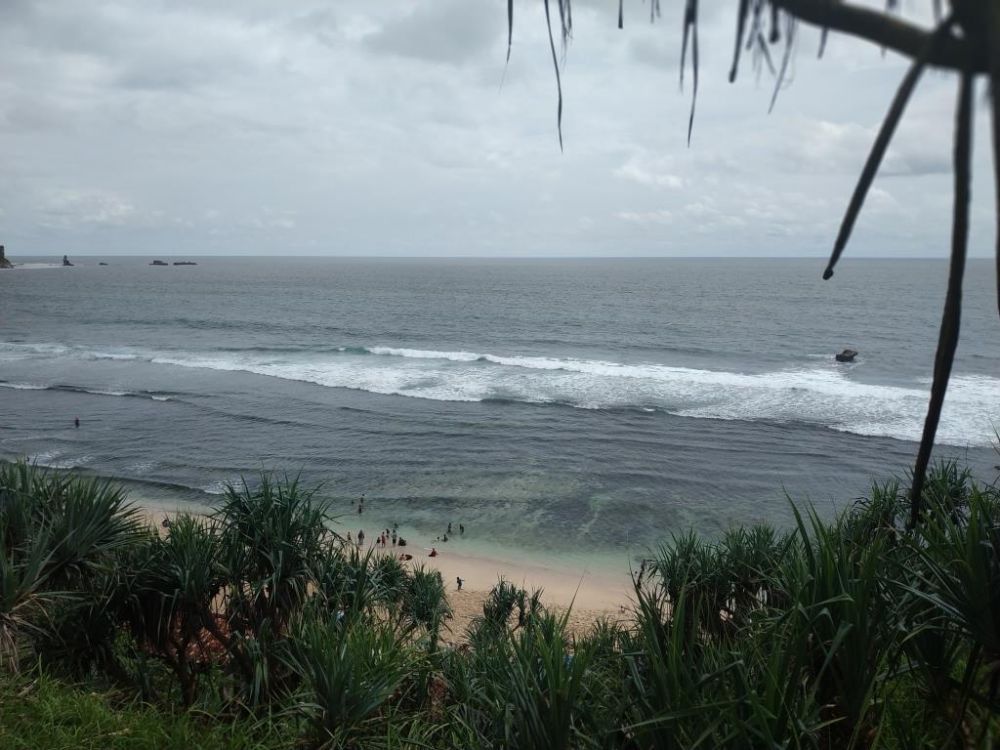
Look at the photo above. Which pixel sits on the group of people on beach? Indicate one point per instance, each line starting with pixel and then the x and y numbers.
pixel 444 537
pixel 384 537
pixel 391 536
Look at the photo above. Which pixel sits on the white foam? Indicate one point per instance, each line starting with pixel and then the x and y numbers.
pixel 821 394
pixel 55 459
pixel 424 354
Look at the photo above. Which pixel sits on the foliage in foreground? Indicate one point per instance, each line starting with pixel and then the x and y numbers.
pixel 262 626
pixel 42 712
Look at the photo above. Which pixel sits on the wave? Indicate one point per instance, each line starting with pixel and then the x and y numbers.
pixel 153 395
pixel 57 459
pixel 820 393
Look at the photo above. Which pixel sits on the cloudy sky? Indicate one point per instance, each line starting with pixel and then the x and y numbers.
pixel 321 127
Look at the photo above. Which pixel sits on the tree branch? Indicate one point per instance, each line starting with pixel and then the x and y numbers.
pixel 887 31
pixel 951 319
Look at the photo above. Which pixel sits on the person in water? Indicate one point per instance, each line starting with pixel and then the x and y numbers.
pixel 76 421
pixel 434 552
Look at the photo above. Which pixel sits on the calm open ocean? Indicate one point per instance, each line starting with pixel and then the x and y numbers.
pixel 545 404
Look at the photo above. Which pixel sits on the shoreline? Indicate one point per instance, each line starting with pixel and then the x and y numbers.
pixel 589 594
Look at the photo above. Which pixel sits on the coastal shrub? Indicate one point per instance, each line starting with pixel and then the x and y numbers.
pixel 271 535
pixel 852 632
pixel 425 604
pixel 347 674
pixel 348 582
pixel 273 538
pixel 59 536
pixel 169 602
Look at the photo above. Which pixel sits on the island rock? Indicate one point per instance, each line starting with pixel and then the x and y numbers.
pixel 4 263
pixel 847 355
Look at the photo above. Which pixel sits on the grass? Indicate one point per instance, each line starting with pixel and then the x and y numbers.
pixel 40 712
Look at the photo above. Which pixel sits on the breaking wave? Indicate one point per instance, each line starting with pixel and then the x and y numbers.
pixel 822 394
pixel 153 395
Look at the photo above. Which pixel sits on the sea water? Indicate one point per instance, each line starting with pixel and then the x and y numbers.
pixel 548 405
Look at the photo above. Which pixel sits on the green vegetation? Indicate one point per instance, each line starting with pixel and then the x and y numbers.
pixel 259 627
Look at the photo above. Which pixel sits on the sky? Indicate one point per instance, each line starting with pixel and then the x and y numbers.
pixel 321 127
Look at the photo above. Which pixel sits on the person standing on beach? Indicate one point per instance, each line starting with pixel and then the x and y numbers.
pixel 361 538
pixel 459 581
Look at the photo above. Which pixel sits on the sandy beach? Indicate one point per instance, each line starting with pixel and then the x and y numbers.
pixel 590 595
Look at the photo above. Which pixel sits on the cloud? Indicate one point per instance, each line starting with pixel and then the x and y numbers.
pixel 440 32
pixel 656 173
pixel 646 217
pixel 249 125
pixel 88 206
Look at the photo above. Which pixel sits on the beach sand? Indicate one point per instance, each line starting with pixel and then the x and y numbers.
pixel 590 595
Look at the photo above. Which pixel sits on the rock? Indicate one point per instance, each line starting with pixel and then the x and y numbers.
pixel 184 263
pixel 847 355
pixel 4 263
pixel 159 263
pixel 66 261
pixel 102 263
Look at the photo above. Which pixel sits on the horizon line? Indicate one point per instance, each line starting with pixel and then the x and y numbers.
pixel 493 257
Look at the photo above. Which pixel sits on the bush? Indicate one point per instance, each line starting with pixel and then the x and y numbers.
pixel 853 632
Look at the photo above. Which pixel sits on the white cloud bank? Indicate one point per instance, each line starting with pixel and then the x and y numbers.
pixel 314 127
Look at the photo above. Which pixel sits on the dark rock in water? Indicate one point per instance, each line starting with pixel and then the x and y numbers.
pixel 184 263
pixel 102 263
pixel 66 261
pixel 847 355
pixel 159 263
pixel 4 263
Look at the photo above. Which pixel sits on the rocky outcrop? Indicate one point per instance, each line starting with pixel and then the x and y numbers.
pixel 847 355
pixel 159 263
pixel 4 263
pixel 184 263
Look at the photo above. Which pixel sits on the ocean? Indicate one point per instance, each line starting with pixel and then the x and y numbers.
pixel 550 406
